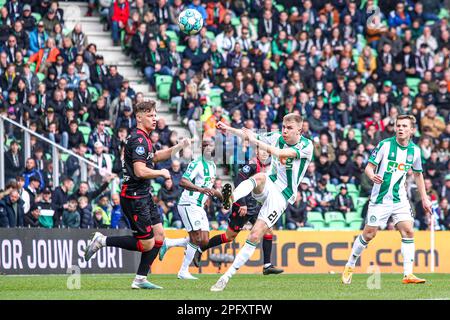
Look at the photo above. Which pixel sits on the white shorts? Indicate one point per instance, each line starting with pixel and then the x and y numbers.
pixel 379 214
pixel 273 203
pixel 193 217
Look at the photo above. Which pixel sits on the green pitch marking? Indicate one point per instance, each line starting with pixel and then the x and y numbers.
pixel 257 287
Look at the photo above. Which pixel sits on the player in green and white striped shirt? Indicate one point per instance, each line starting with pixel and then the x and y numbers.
pixel 291 155
pixel 388 166
pixel 197 182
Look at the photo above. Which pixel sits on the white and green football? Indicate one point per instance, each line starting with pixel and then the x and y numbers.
pixel 190 21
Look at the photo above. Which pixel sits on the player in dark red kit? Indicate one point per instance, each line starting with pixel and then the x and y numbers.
pixel 135 197
pixel 244 210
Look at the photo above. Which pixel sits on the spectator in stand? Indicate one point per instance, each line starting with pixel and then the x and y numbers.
pixel 85 211
pixel 13 162
pixel 46 209
pixel 60 198
pixel 431 124
pixel 31 170
pixel 119 18
pixel 31 219
pixel 154 62
pixel 343 201
pixel 342 171
pixel 168 196
pixel 296 214
pixel 118 220
pixel 71 216
pixel 11 210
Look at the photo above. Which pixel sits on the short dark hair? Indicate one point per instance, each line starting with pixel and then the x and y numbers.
pixel 145 106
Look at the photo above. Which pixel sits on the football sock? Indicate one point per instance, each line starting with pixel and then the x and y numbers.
pixel 124 242
pixel 155 250
pixel 215 241
pixel 267 249
pixel 144 265
pixel 179 242
pixel 241 258
pixel 243 189
pixel 408 250
pixel 358 246
pixel 188 256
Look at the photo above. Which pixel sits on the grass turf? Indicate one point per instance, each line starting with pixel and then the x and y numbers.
pixel 258 287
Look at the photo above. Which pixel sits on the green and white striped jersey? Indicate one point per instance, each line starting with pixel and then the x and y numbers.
pixel 393 162
pixel 202 173
pixel 287 177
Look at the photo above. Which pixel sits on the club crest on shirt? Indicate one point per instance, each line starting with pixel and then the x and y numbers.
pixel 246 169
pixel 140 150
pixel 409 158
pixel 374 152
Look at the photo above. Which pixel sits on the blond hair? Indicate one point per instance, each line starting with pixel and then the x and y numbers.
pixel 293 117
pixel 407 116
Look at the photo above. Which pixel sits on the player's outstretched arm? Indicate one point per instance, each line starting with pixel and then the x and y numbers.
pixel 224 128
pixel 277 152
pixel 426 203
pixel 141 171
pixel 163 155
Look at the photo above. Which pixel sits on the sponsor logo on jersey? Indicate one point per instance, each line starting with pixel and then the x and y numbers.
pixel 395 166
pixel 374 153
pixel 140 150
pixel 373 219
pixel 246 169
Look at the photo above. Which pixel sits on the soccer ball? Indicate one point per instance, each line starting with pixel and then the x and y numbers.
pixel 190 21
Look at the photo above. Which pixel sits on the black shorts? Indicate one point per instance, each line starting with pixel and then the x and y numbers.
pixel 138 212
pixel 236 222
pixel 154 213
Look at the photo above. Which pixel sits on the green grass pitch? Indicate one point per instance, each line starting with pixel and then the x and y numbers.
pixel 258 287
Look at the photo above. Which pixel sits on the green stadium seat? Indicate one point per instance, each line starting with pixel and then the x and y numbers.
pixel 155 187
pixel 33 67
pixel 181 48
pixel 315 218
pixel 163 84
pixel 353 216
pixel 332 188
pixel 235 21
pixel 109 131
pixel 210 35
pixel 173 36
pixel 335 220
pixel 413 84
pixel 94 93
pixel 444 13
pixel 279 7
pixel 86 131
pixel 40 76
pixel 37 16
pixel 215 98
pixel 64 157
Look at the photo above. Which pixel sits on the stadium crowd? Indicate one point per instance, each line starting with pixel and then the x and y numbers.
pixel 349 71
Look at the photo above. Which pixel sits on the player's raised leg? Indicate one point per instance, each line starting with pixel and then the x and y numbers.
pixel 171 243
pixel 406 230
pixel 255 184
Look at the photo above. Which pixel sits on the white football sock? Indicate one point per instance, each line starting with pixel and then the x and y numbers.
pixel 408 251
pixel 358 246
pixel 188 256
pixel 244 189
pixel 241 258
pixel 179 242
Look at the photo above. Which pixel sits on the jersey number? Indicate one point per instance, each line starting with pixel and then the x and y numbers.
pixel 273 216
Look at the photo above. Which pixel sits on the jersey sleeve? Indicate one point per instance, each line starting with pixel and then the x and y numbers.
pixel 304 150
pixel 269 137
pixel 377 154
pixel 139 149
pixel 417 164
pixel 192 170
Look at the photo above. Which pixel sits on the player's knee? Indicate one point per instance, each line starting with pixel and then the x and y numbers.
pixel 254 236
pixel 231 236
pixel 203 243
pixel 259 178
pixel 408 233
pixel 368 235
pixel 196 238
pixel 147 245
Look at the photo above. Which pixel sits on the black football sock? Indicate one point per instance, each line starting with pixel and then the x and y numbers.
pixel 216 241
pixel 144 265
pixel 124 242
pixel 154 251
pixel 267 248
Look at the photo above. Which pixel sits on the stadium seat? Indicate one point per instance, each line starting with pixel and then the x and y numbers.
pixel 214 97
pixel 413 84
pixel 335 220
pixel 37 16
pixel 236 21
pixel 444 13
pixel 109 131
pixel 155 187
pixel 40 76
pixel 162 79
pixel 180 48
pixel 33 67
pixel 94 93
pixel 163 89
pixel 173 36
pixel 64 157
pixel 354 220
pixel 315 218
pixel 86 131
pixel 210 35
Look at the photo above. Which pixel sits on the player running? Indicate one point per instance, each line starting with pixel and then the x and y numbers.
pixel 244 210
pixel 135 198
pixel 392 159
pixel 197 182
pixel 291 154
